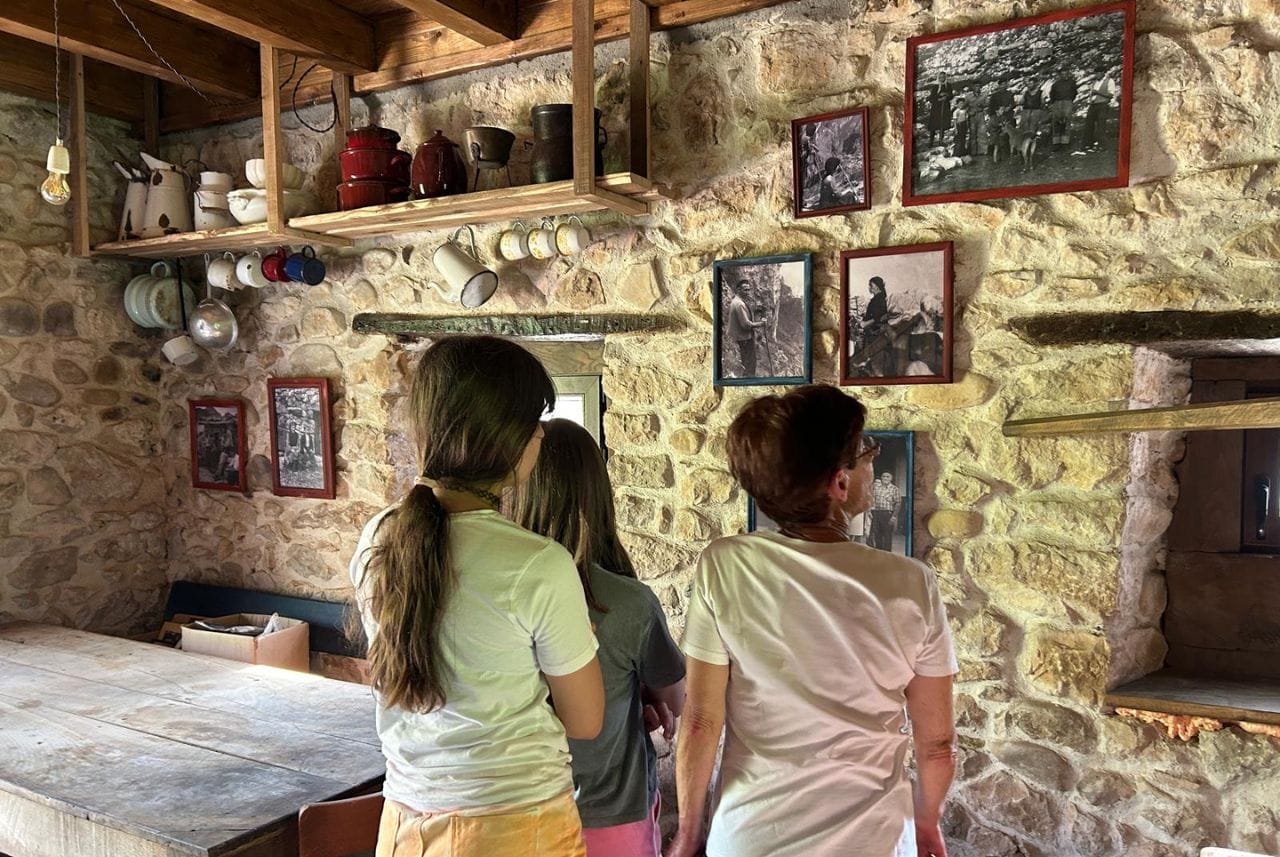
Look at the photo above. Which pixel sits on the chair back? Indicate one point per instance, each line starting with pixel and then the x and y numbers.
pixel 339 828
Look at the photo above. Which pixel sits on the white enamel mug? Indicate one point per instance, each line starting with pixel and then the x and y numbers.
pixel 542 242
pixel 249 271
pixel 571 238
pixel 475 283
pixel 221 272
pixel 514 243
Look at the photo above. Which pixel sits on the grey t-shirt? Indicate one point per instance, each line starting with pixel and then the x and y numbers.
pixel 615 774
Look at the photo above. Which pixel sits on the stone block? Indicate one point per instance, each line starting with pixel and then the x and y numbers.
pixel 10 488
pixel 639 287
pixel 46 488
pixel 637 512
pixel 1053 724
pixel 968 390
pixel 323 322
pixel 60 319
pixel 67 372
pixel 18 318
pixel 35 391
pixel 705 485
pixel 687 441
pixel 631 429
pixel 954 524
pixel 45 568
pixel 641 471
pixel 1037 764
pixel 1068 663
pixel 646 385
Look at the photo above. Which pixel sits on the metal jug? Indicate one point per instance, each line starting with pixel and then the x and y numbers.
pixel 135 202
pixel 168 208
pixel 552 158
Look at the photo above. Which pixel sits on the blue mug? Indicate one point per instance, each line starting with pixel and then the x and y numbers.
pixel 304 267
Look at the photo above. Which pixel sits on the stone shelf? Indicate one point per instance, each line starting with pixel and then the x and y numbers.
pixel 625 192
pixel 233 238
pixel 1182 693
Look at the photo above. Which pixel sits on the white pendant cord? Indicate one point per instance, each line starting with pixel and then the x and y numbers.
pixel 57 70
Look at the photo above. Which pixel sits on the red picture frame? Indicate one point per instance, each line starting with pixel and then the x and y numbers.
pixel 218 444
pixel 895 346
pixel 802 173
pixel 1013 130
pixel 301 438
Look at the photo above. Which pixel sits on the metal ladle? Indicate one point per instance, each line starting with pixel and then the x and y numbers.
pixel 212 323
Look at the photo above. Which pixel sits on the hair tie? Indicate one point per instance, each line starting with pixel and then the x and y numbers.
pixel 429 484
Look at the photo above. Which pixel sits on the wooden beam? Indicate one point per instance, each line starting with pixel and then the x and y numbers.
pixel 272 140
pixel 341 120
pixel 322 29
pixel 415 51
pixel 638 43
pixel 93 28
pixel 584 97
pixel 79 146
pixel 27 69
pixel 1213 416
pixel 486 23
pixel 151 119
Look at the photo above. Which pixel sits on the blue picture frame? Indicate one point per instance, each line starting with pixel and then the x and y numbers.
pixel 898 457
pixel 770 292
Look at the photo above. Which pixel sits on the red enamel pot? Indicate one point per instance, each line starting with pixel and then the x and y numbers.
pixel 381 164
pixel 372 137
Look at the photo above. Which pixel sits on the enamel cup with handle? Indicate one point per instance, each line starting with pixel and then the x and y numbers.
pixel 304 267
pixel 542 242
pixel 572 238
pixel 514 243
pixel 221 272
pixel 475 282
pixel 249 271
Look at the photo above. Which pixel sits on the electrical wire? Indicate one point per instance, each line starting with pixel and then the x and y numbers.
pixel 156 53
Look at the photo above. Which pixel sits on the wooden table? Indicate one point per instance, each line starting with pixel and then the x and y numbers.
pixel 115 748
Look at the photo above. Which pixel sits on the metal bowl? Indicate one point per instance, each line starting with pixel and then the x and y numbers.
pixel 489 147
pixel 213 325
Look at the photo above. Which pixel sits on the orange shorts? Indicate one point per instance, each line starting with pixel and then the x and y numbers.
pixel 549 828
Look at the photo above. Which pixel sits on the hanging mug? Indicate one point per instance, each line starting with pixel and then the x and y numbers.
pixel 221 272
pixel 249 271
pixel 475 283
pixel 571 239
pixel 273 266
pixel 542 241
pixel 514 242
pixel 304 267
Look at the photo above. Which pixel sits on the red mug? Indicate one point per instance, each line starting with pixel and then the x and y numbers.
pixel 273 266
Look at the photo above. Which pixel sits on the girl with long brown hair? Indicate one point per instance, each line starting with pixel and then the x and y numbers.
pixel 472 621
pixel 568 497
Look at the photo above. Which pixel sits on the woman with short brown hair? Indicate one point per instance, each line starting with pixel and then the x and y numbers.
pixel 807 646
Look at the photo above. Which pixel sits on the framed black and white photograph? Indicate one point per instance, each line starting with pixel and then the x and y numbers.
pixel 217 444
pixel 888 522
pixel 1031 106
pixel 830 164
pixel 301 438
pixel 895 315
pixel 762 329
pixel 578 399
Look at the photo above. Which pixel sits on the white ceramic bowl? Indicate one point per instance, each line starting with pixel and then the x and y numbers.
pixel 250 206
pixel 255 170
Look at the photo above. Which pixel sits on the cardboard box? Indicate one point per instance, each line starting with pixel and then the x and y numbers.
pixel 290 647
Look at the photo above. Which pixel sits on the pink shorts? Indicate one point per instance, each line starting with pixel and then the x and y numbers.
pixel 636 839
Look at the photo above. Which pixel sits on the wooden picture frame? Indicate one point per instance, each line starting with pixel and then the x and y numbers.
pixel 831 163
pixel 778 289
pixel 301 438
pixel 897 458
pixel 987 112
pixel 903 335
pixel 219 451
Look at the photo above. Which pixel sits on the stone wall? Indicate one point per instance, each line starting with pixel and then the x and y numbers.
pixel 1047 549
pixel 82 498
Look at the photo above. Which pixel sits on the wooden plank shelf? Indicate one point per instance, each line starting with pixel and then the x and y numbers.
pixel 1207 416
pixel 1218 697
pixel 526 202
pixel 214 241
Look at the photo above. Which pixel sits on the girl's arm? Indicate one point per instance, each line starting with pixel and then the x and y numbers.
pixel 578 699
pixel 696 747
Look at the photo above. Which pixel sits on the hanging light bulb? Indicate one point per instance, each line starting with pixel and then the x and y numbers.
pixel 54 189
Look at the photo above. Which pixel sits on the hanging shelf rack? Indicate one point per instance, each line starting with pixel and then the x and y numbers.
pixel 627 193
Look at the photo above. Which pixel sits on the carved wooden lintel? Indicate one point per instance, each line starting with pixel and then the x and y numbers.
pixel 599 324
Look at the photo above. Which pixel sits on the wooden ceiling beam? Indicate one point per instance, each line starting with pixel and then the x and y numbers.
pixel 429 52
pixel 213 62
pixel 27 69
pixel 320 29
pixel 491 23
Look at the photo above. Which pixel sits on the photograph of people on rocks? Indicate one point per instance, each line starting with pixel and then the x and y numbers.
pixel 762 328
pixel 887 523
pixel 1038 105
pixel 896 315
pixel 301 442
pixel 217 444
pixel 829 163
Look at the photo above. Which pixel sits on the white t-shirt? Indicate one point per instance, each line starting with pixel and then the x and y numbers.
pixel 518 612
pixel 821 639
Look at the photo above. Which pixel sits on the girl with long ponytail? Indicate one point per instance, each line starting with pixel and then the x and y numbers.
pixel 472 622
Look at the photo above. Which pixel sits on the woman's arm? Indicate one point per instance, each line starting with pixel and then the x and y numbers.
pixel 696 746
pixel 578 699
pixel 934 736
pixel 662 706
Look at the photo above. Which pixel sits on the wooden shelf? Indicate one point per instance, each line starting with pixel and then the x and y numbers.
pixel 214 241
pixel 526 202
pixel 1175 692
